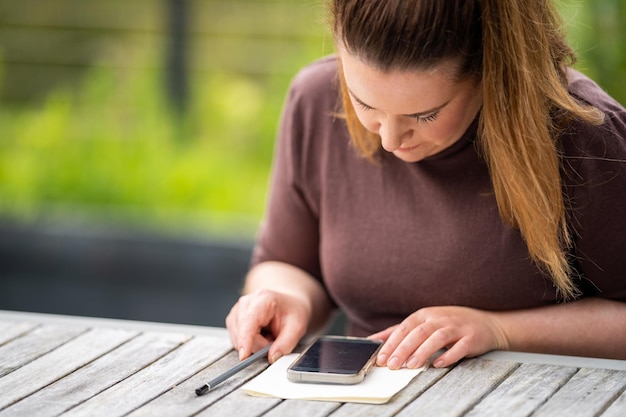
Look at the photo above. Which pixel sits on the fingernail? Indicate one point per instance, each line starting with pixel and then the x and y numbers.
pixel 276 356
pixel 240 353
pixel 412 363
pixel 394 363
pixel 438 363
pixel 382 359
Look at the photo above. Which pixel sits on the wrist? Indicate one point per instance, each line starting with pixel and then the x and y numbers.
pixel 501 337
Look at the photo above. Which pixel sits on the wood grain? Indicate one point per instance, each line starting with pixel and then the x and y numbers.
pixel 303 408
pixel 59 363
pixel 586 394
pixel 618 407
pixel 460 389
pixel 182 399
pixel 154 380
pixel 97 376
pixel 32 345
pixel 420 384
pixel 12 330
pixel 525 390
pixel 242 405
pixel 57 368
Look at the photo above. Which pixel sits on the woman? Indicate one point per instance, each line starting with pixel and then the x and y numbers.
pixel 466 193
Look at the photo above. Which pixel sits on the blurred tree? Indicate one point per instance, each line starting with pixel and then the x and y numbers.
pixel 608 54
pixel 177 84
pixel 597 32
pixel 93 80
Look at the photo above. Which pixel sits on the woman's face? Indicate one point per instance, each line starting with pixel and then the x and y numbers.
pixel 416 113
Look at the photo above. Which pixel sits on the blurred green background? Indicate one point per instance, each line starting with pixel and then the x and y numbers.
pixel 163 113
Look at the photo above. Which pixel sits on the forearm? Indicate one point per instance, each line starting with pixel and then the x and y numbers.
pixel 589 327
pixel 285 278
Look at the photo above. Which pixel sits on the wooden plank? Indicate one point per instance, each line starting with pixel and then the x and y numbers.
pixel 617 408
pixel 526 389
pixel 151 382
pixel 587 393
pixel 240 404
pixel 97 376
pixel 59 363
pixel 139 326
pixel 460 389
pixel 182 400
pixel 560 360
pixel 292 408
pixel 40 341
pixel 11 330
pixel 421 383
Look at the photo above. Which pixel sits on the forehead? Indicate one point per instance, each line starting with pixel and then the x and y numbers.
pixel 399 92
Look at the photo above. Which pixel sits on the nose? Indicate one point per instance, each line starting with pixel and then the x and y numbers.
pixel 393 134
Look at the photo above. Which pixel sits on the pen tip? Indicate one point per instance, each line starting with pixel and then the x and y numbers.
pixel 202 390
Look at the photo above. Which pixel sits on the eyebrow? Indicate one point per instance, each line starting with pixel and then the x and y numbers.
pixel 419 114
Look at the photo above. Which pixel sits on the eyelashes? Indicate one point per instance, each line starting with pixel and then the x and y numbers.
pixel 427 119
pixel 420 119
pixel 364 106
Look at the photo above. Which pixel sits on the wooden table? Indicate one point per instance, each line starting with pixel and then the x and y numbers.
pixel 70 366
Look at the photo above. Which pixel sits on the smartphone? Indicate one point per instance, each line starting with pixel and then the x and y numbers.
pixel 335 360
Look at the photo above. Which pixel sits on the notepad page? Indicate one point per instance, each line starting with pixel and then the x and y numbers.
pixel 378 387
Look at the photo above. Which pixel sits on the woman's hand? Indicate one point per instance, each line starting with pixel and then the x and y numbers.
pixel 266 316
pixel 465 332
pixel 282 303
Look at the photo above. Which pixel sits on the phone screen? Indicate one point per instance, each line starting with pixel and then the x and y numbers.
pixel 336 355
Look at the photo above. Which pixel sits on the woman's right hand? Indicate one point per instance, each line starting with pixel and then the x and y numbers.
pixel 265 316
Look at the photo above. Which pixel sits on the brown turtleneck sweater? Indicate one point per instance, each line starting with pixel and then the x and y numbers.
pixel 389 239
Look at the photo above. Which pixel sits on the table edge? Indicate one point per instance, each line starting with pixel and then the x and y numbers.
pixel 195 330
pixel 560 360
pixel 84 321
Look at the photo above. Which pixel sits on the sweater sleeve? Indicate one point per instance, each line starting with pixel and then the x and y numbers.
pixel 290 230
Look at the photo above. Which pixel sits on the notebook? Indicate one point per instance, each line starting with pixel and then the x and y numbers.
pixel 378 387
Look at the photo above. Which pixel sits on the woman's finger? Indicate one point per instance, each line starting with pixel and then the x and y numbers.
pixel 292 329
pixel 455 353
pixel 399 333
pixel 405 352
pixel 256 312
pixel 439 339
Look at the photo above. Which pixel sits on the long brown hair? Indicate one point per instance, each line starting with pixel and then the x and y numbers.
pixel 516 48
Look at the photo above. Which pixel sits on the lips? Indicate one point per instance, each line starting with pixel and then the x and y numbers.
pixel 408 148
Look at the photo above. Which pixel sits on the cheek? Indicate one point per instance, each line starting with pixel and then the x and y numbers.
pixel 445 130
pixel 366 117
pixel 368 120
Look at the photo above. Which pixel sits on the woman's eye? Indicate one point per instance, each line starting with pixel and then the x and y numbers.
pixel 427 119
pixel 365 106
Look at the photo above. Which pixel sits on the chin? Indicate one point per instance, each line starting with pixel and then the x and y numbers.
pixel 409 157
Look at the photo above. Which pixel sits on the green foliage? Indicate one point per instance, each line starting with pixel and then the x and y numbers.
pixel 110 145
pixel 114 143
pixel 597 33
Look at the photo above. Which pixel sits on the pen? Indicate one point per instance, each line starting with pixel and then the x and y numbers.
pixel 232 371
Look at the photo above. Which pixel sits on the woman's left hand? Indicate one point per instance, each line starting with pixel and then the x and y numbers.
pixel 465 332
